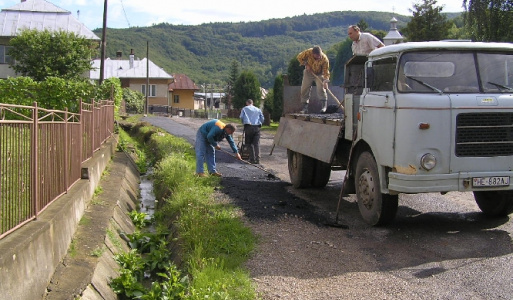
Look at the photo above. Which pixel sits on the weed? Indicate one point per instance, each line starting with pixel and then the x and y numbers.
pixel 98 251
pixel 139 219
pixel 73 251
pixel 84 221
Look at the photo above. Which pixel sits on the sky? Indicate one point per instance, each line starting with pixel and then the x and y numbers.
pixel 137 13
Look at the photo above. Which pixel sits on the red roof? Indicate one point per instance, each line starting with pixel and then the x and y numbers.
pixel 182 82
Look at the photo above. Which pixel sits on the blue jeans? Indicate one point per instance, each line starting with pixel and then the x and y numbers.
pixel 205 152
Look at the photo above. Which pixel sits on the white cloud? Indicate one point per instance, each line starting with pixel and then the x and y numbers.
pixel 120 13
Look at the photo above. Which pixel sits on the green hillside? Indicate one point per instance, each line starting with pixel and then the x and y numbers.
pixel 205 52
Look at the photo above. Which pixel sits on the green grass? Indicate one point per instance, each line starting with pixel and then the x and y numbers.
pixel 214 242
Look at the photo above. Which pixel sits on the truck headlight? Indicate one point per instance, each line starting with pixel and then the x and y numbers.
pixel 428 161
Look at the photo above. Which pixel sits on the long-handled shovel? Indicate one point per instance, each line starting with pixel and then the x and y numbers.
pixel 329 91
pixel 269 174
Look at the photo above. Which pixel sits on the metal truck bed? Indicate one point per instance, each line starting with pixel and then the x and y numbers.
pixel 314 135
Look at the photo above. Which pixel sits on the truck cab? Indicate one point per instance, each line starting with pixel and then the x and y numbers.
pixel 428 117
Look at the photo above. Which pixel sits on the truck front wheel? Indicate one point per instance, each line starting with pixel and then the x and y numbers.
pixel 300 169
pixel 376 208
pixel 495 203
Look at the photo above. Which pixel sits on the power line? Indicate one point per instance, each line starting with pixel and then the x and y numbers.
pixel 124 11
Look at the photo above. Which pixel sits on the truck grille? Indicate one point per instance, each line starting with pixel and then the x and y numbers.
pixel 484 134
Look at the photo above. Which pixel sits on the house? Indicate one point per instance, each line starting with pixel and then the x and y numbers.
pixel 35 14
pixel 182 91
pixel 133 74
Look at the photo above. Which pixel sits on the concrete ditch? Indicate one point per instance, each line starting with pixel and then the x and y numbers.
pixel 68 252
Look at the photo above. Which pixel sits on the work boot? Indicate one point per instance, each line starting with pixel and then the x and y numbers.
pixel 324 106
pixel 216 174
pixel 201 175
pixel 305 109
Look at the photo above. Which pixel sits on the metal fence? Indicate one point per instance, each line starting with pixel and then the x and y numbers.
pixel 41 153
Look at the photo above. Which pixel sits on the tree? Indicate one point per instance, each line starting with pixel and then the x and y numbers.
pixel 234 73
pixel 362 25
pixel 295 72
pixel 41 54
pixel 427 23
pixel 246 87
pixel 277 98
pixel 343 55
pixel 134 101
pixel 489 20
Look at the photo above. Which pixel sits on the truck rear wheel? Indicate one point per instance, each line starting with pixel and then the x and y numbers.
pixel 495 203
pixel 301 169
pixel 376 208
pixel 321 174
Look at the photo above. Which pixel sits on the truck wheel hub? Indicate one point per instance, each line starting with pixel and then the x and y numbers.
pixel 366 189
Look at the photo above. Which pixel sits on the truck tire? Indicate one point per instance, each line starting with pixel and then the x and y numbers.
pixel 321 174
pixel 301 169
pixel 376 208
pixel 495 203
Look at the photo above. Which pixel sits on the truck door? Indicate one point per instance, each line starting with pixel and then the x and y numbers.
pixel 377 109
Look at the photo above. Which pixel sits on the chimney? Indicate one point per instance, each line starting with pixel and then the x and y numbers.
pixel 119 54
pixel 131 58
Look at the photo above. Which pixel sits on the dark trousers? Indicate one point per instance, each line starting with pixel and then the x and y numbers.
pixel 252 140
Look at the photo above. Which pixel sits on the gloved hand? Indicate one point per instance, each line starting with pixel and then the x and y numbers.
pixel 218 147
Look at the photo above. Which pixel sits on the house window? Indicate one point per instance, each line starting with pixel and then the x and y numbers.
pixel 176 99
pixel 153 90
pixel 4 57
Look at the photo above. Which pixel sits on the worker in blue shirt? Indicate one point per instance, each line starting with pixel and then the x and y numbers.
pixel 252 118
pixel 207 139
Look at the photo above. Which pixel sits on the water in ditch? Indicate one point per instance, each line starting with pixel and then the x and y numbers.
pixel 148 202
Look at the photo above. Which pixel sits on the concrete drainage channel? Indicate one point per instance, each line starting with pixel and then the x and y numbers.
pixel 89 264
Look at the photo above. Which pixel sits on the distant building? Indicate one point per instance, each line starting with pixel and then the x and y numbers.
pixel 35 14
pixel 393 36
pixel 181 91
pixel 132 74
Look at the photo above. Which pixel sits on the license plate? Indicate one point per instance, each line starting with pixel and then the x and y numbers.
pixel 490 181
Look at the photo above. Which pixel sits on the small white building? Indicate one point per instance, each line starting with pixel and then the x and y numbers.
pixel 393 36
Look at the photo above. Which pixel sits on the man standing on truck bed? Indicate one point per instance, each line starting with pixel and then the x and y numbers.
pixel 316 69
pixel 363 42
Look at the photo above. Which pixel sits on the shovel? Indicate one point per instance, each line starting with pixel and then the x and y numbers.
pixel 269 174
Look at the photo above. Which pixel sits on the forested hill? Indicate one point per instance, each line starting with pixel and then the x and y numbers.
pixel 206 52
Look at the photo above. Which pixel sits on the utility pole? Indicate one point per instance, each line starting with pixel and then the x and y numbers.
pixel 104 42
pixel 147 75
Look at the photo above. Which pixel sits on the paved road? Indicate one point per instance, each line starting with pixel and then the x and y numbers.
pixel 438 247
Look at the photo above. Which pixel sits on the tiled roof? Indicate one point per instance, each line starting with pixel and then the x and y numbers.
pixel 121 69
pixel 182 82
pixel 40 15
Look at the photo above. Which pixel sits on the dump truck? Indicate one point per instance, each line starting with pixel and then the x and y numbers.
pixel 418 117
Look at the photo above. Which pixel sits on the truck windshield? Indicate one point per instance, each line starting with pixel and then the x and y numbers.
pixel 496 71
pixel 438 72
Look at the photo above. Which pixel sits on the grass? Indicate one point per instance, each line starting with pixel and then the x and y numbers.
pixel 213 240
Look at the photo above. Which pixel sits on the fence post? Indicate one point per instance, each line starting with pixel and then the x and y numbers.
pixel 81 136
pixel 35 168
pixel 66 149
pixel 93 124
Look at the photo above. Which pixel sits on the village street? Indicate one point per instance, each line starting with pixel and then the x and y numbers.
pixel 438 247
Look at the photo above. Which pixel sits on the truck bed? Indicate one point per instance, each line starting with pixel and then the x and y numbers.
pixel 314 135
